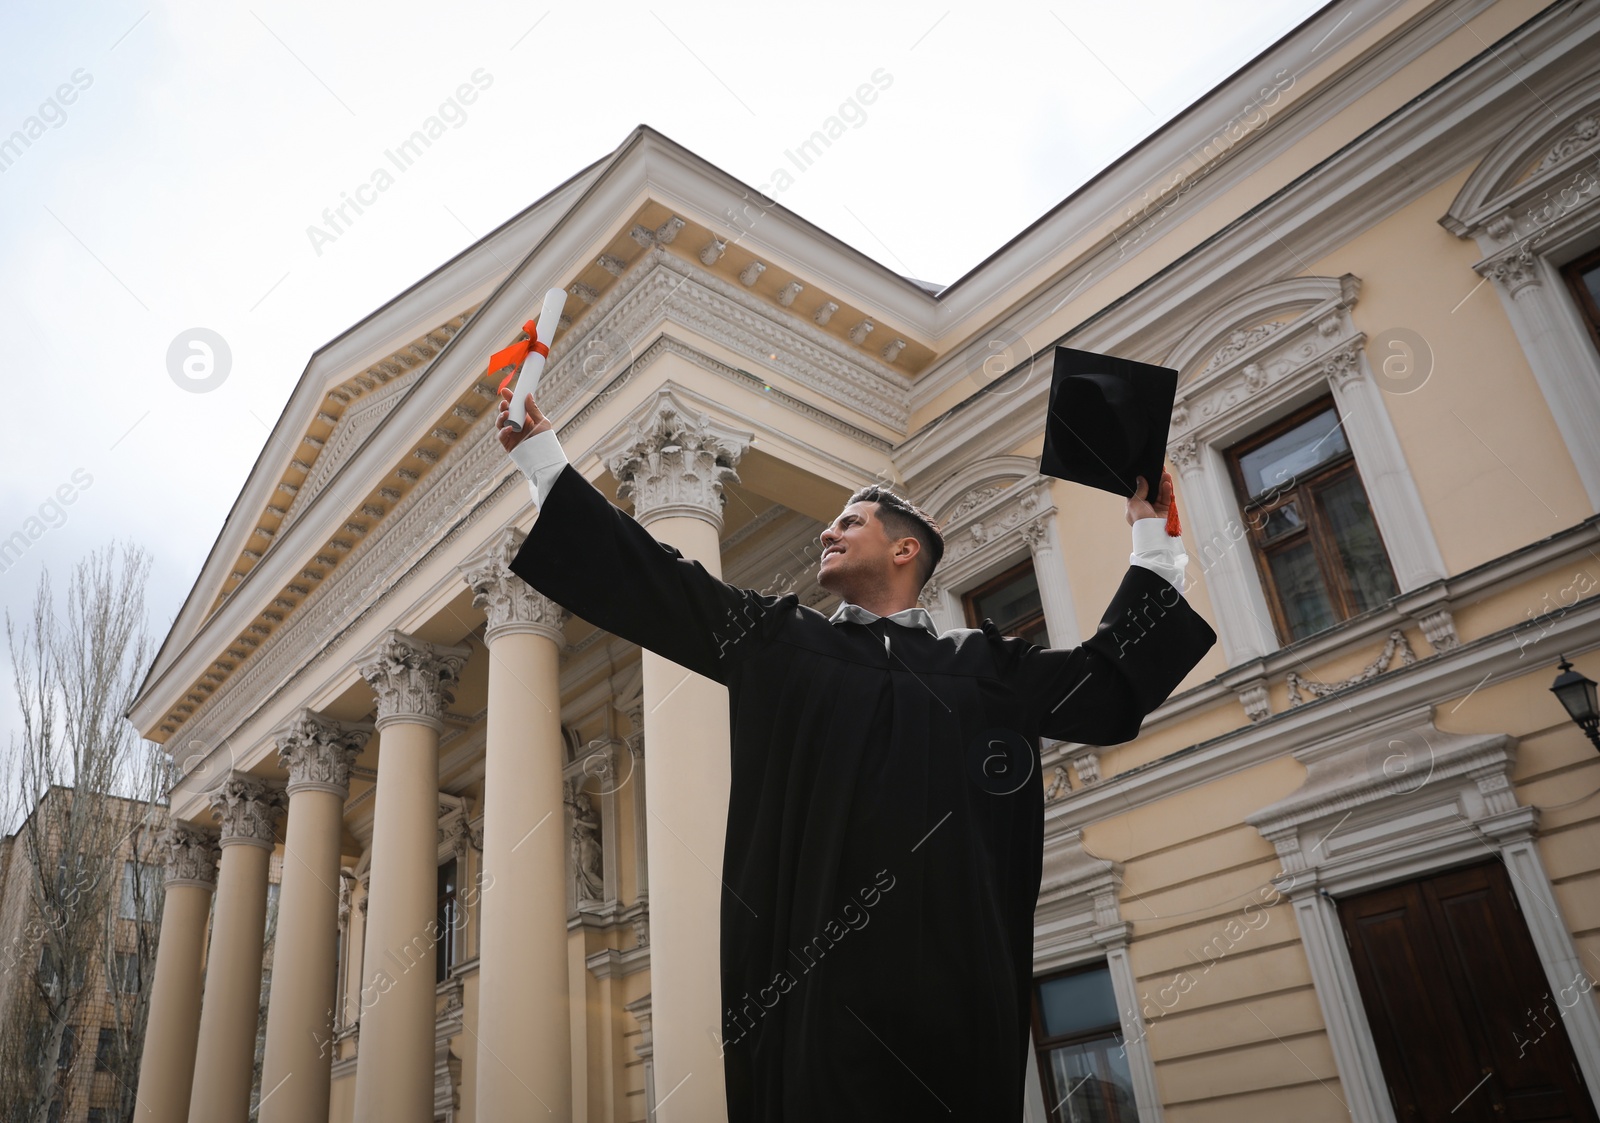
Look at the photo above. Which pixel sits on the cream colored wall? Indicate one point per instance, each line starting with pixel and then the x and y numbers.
pixel 1478 436
pixel 1224 987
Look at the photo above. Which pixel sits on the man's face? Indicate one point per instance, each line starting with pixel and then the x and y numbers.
pixel 857 551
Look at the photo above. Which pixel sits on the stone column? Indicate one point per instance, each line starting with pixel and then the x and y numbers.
pixel 297 1071
pixel 524 1038
pixel 166 1068
pixel 1055 593
pixel 1222 552
pixel 672 464
pixel 248 807
pixel 1397 507
pixel 1563 362
pixel 394 1060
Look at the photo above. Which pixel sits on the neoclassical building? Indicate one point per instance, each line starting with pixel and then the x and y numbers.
pixel 1351 869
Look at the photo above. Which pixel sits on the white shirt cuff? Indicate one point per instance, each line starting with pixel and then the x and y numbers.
pixel 541 459
pixel 1156 550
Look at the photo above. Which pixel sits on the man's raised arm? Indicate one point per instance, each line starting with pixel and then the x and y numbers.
pixel 598 563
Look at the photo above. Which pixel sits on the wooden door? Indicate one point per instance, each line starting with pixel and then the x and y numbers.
pixel 1464 1021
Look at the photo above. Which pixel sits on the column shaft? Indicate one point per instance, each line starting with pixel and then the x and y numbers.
pixel 225 1057
pixel 394 1066
pixel 296 1072
pixel 686 727
pixel 166 1068
pixel 524 1043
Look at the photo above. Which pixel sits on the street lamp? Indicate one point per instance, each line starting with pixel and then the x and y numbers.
pixel 1577 694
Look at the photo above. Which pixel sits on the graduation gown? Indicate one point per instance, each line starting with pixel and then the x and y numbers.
pixel 886 816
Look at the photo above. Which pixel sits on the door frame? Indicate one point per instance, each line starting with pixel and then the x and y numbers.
pixel 1397 800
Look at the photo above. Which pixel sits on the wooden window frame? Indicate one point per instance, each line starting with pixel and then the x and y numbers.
pixel 970 598
pixel 1572 273
pixel 1305 490
pixel 1043 1044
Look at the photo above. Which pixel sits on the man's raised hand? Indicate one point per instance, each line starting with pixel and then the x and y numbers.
pixel 533 422
pixel 1141 508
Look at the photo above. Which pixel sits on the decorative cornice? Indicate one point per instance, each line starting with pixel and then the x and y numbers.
pixel 509 602
pixel 472 475
pixel 672 287
pixel 672 461
pixel 412 678
pixel 190 853
pixel 318 752
pixel 248 808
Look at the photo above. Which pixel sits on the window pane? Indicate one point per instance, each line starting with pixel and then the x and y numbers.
pixel 1279 521
pixel 1016 600
pixel 1591 281
pixel 1301 592
pixel 1360 548
pixel 1077 1003
pixel 1276 463
pixel 1089 1083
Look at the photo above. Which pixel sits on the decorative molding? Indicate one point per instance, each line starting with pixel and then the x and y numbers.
pixel 190 853
pixel 859 333
pixel 824 312
pixel 1579 139
pixel 248 808
pixel 1256 702
pixel 751 273
pixel 891 350
pixel 787 294
pixel 509 602
pixel 317 752
pixel 1241 340
pixel 1397 642
pixel 713 251
pixel 411 678
pixel 611 264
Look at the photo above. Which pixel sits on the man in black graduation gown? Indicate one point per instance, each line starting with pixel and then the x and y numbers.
pixel 885 820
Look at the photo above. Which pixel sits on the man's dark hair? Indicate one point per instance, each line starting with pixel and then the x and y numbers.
pixel 904 519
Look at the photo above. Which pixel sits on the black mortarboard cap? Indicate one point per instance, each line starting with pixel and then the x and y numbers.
pixel 1108 421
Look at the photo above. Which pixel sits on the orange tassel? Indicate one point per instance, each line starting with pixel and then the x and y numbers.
pixel 1174 529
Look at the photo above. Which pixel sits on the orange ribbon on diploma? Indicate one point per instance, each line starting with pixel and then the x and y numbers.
pixel 524 359
pixel 511 359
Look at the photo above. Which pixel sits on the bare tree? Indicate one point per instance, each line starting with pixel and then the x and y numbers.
pixel 86 790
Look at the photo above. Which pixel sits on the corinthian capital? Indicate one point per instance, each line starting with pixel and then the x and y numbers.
pixel 673 460
pixel 318 752
pixel 412 678
pixel 190 852
pixel 1185 453
pixel 1512 271
pixel 511 604
pixel 248 807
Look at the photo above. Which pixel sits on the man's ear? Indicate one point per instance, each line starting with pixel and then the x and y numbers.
pixel 906 551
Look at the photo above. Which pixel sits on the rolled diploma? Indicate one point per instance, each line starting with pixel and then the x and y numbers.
pixel 532 367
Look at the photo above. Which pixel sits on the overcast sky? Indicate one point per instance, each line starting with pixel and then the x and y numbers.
pixel 177 156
